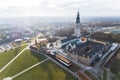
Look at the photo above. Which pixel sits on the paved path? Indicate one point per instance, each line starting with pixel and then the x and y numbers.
pixel 29 68
pixel 13 59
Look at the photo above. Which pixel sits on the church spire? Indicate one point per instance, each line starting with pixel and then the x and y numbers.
pixel 78 17
pixel 77 26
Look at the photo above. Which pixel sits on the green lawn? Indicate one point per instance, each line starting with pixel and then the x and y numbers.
pixel 46 71
pixel 105 75
pixel 25 60
pixel 90 75
pixel 5 57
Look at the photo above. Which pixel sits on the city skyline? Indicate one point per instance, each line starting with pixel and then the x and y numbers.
pixel 22 8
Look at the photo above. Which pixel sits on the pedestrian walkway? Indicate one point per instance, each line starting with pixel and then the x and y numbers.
pixel 13 59
pixel 10 78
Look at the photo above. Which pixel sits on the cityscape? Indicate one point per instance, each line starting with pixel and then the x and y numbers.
pixel 52 40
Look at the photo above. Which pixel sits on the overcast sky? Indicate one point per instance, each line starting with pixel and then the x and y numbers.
pixel 18 8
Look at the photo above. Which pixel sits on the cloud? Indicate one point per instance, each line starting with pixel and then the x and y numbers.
pixel 21 3
pixel 58 7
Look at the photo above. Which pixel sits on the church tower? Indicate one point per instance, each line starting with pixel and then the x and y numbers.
pixel 77 25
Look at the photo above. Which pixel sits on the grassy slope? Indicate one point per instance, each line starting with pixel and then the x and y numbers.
pixel 5 57
pixel 105 75
pixel 90 75
pixel 25 60
pixel 46 71
pixel 115 65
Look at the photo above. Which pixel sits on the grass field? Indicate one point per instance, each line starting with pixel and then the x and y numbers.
pixel 25 60
pixel 115 65
pixel 5 57
pixel 90 75
pixel 105 75
pixel 46 71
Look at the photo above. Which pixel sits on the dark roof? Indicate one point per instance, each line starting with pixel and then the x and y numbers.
pixel 72 43
pixel 68 39
pixel 88 48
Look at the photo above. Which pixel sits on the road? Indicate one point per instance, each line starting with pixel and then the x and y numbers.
pixel 74 74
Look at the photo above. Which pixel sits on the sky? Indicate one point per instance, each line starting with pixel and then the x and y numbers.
pixel 21 8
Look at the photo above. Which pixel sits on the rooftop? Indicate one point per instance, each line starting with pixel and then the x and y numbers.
pixel 68 39
pixel 87 49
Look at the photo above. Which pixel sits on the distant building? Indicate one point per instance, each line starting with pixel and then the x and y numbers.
pixel 18 40
pixel 26 39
